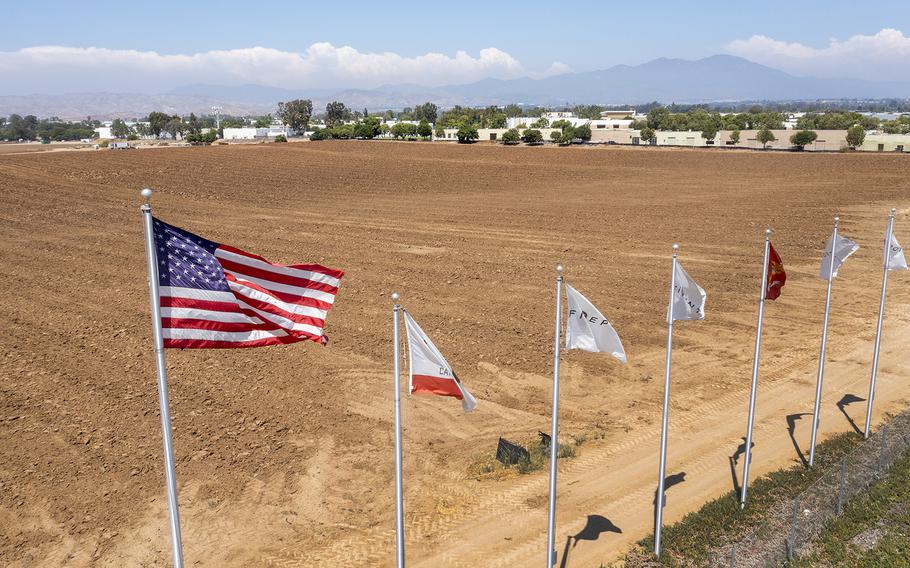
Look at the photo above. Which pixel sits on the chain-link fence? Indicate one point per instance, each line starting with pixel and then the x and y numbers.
pixel 790 527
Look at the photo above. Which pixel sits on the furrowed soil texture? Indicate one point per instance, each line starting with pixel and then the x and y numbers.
pixel 284 454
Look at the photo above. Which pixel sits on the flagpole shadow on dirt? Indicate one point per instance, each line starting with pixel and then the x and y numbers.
pixel 791 430
pixel 734 461
pixel 842 405
pixel 595 526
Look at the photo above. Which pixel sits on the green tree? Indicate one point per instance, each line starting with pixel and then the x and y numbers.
pixel 467 134
pixel 440 131
pixel 175 126
pixel 802 138
pixel 193 125
pixel 498 120
pixel 658 118
pixel 402 130
pixel 512 110
pixel 423 129
pixel 765 136
pixel 566 136
pixel 532 136
pixel 511 136
pixel 263 122
pixel 647 134
pixel 591 112
pixel 560 124
pixel 197 139
pixel 119 129
pixel 296 114
pixel 320 134
pixel 342 131
pixel 427 111
pixel 156 121
pixel 583 132
pixel 541 122
pixel 368 128
pixel 709 133
pixel 856 135
pixel 734 137
pixel 336 112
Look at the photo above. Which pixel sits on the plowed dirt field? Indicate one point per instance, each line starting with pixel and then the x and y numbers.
pixel 284 454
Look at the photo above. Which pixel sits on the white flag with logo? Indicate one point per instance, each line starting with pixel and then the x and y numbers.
pixel 688 297
pixel 842 251
pixel 430 373
pixel 587 329
pixel 896 260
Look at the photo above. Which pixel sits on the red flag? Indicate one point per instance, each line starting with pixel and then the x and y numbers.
pixel 776 275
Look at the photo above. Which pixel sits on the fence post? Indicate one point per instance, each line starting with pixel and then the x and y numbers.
pixel 791 539
pixel 841 486
pixel 881 453
pixel 733 557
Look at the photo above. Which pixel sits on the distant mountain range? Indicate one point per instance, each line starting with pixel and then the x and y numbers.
pixel 720 78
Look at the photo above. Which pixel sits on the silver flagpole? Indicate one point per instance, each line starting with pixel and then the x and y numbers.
pixel 169 475
pixel 659 498
pixel 878 329
pixel 747 456
pixel 554 430
pixel 399 502
pixel 821 356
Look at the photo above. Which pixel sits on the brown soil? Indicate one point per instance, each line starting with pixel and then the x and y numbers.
pixel 284 454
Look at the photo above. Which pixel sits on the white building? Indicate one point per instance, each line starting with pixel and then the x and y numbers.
pixel 253 133
pixel 602 123
pixel 103 132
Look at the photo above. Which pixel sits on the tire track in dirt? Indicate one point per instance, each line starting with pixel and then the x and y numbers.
pixel 493 505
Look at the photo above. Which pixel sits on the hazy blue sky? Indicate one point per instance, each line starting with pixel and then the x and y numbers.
pixel 390 41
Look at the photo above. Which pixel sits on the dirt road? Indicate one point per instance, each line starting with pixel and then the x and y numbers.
pixel 284 454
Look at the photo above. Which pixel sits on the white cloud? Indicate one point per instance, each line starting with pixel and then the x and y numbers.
pixel 67 69
pixel 883 56
pixel 557 68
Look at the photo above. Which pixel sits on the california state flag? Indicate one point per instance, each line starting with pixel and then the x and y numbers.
pixel 430 372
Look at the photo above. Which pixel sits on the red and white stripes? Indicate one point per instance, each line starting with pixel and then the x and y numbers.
pixel 267 304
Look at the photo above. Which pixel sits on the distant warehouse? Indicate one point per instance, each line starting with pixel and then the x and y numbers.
pixel 252 133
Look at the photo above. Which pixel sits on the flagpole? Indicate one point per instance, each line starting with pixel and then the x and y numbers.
pixel 554 430
pixel 747 456
pixel 169 474
pixel 821 357
pixel 399 503
pixel 659 499
pixel 878 330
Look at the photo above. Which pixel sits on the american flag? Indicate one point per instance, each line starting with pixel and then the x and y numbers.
pixel 217 296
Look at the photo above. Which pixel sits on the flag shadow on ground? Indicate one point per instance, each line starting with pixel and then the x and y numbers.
pixel 791 429
pixel 592 530
pixel 842 405
pixel 734 461
pixel 669 482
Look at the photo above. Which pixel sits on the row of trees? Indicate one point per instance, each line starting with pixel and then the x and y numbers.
pixel 29 127
pixel 837 121
pixel 371 127
pixel 709 123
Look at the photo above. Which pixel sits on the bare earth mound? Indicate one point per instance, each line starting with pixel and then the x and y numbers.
pixel 284 454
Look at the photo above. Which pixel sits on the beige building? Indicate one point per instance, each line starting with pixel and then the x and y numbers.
pixel 494 134
pixel 827 141
pixel 886 143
